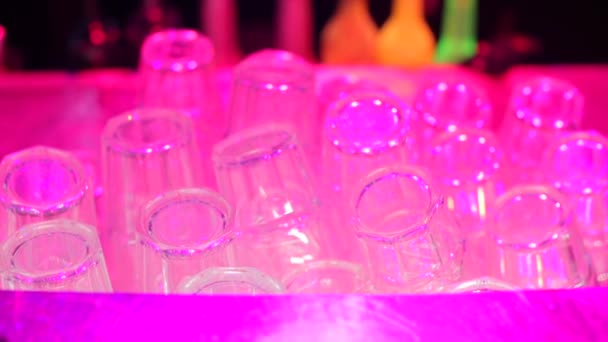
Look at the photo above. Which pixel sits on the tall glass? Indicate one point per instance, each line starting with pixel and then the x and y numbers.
pixel 412 242
pixel 231 280
pixel 182 233
pixel 40 184
pixel 56 255
pixel 177 73
pixel 536 244
pixel 540 109
pixel 144 153
pixel 263 174
pixel 577 165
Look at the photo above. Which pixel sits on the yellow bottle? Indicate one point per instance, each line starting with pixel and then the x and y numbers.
pixel 349 37
pixel 406 39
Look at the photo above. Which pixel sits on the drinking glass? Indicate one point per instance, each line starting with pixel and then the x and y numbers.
pixel 539 110
pixel 182 233
pixel 231 280
pixel 577 165
pixel 262 172
pixel 274 86
pixel 56 255
pixel 177 73
pixel 145 153
pixel 536 244
pixel 363 132
pixel 450 105
pixel 470 167
pixel 412 242
pixel 40 184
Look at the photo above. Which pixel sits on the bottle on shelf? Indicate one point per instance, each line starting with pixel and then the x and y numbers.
pixel 219 21
pixel 405 39
pixel 294 27
pixel 349 37
pixel 458 39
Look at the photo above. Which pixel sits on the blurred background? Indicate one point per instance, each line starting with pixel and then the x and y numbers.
pixel 81 34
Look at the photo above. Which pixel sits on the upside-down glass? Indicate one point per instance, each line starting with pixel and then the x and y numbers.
pixel 536 244
pixel 231 280
pixel 56 255
pixel 42 183
pixel 363 131
pixel 451 105
pixel 177 73
pixel 144 153
pixel 182 233
pixel 539 110
pixel 328 277
pixel 577 165
pixel 470 167
pixel 274 86
pixel 412 242
pixel 263 174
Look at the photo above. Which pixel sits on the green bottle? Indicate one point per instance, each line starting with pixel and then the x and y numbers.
pixel 458 38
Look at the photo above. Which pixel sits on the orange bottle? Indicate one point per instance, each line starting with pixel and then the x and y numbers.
pixel 349 37
pixel 406 39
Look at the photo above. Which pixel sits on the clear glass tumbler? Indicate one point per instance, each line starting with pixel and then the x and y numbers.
pixel 181 233
pixel 144 153
pixel 470 166
pixel 363 132
pixel 231 280
pixel 41 184
pixel 450 105
pixel 328 277
pixel 274 86
pixel 264 175
pixel 577 165
pixel 177 73
pixel 412 242
pixel 56 255
pixel 539 110
pixel 536 244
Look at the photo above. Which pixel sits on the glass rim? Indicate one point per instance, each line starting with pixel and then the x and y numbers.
pixel 499 160
pixel 487 109
pixel 297 67
pixel 567 139
pixel 399 137
pixel 416 173
pixel 85 233
pixel 518 91
pixel 191 63
pixel 18 159
pixel 224 156
pixel 248 275
pixel 482 284
pixel 356 270
pixel 110 140
pixel 539 190
pixel 222 235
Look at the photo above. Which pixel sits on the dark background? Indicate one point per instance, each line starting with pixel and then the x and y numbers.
pixel 48 34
